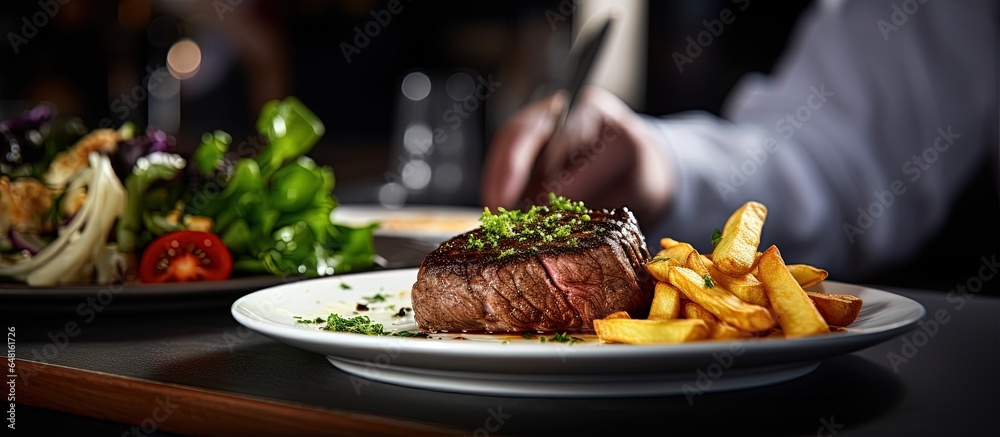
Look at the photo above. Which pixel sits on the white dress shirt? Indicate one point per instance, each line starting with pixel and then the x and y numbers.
pixel 888 106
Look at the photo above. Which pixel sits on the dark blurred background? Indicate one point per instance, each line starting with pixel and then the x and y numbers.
pixel 385 78
pixel 91 53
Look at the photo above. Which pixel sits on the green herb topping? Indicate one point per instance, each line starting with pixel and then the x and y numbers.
pixel 344 286
pixel 716 237
pixel 544 224
pixel 708 281
pixel 563 338
pixel 527 335
pixel 378 297
pixel 357 325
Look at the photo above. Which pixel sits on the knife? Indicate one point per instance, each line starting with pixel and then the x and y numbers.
pixel 580 64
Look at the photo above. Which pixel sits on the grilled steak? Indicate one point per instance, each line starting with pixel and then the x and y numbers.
pixel 587 266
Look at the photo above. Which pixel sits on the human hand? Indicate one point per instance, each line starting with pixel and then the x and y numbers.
pixel 605 155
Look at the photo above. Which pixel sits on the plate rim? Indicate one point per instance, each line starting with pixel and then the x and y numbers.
pixel 519 350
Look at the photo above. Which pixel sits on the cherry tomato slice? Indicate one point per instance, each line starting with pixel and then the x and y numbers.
pixel 183 256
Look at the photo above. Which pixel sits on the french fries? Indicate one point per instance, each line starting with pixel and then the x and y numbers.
pixel 720 302
pixel 807 275
pixel 667 242
pixel 736 251
pixel 797 314
pixel 666 302
pixel 747 287
pixel 644 331
pixel 678 252
pixel 734 292
pixel 617 315
pixel 836 309
pixel 692 310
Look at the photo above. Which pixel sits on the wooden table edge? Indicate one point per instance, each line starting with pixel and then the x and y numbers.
pixel 151 405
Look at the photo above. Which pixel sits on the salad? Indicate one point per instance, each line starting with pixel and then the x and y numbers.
pixel 102 205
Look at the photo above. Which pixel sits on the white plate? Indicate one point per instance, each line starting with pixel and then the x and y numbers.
pixel 428 223
pixel 483 364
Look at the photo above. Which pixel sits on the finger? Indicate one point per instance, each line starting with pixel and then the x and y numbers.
pixel 514 149
pixel 595 162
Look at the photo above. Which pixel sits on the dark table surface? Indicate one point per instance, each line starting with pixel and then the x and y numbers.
pixel 942 382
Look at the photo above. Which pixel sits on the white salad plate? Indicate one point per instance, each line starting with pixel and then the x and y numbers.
pixel 510 365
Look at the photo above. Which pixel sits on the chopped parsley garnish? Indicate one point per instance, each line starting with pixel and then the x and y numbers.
pixel 527 335
pixel 503 342
pixel 344 286
pixel 564 204
pixel 378 297
pixel 708 281
pixel 660 259
pixel 563 338
pixel 317 320
pixel 357 325
pixel 507 252
pixel 475 243
pixel 543 224
pixel 716 237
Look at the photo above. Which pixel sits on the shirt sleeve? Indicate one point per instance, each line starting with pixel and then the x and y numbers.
pixel 872 123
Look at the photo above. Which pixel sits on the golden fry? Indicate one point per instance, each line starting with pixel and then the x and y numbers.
pixel 720 302
pixel 666 302
pixel 668 242
pixel 673 256
pixel 836 309
pixel 717 330
pixel 638 331
pixel 747 287
pixel 678 252
pixel 807 275
pixel 736 251
pixel 725 331
pixel 617 315
pixel 695 263
pixel 692 310
pixel 659 267
pixel 796 312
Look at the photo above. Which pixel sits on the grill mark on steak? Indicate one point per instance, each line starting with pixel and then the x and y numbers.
pixel 558 287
